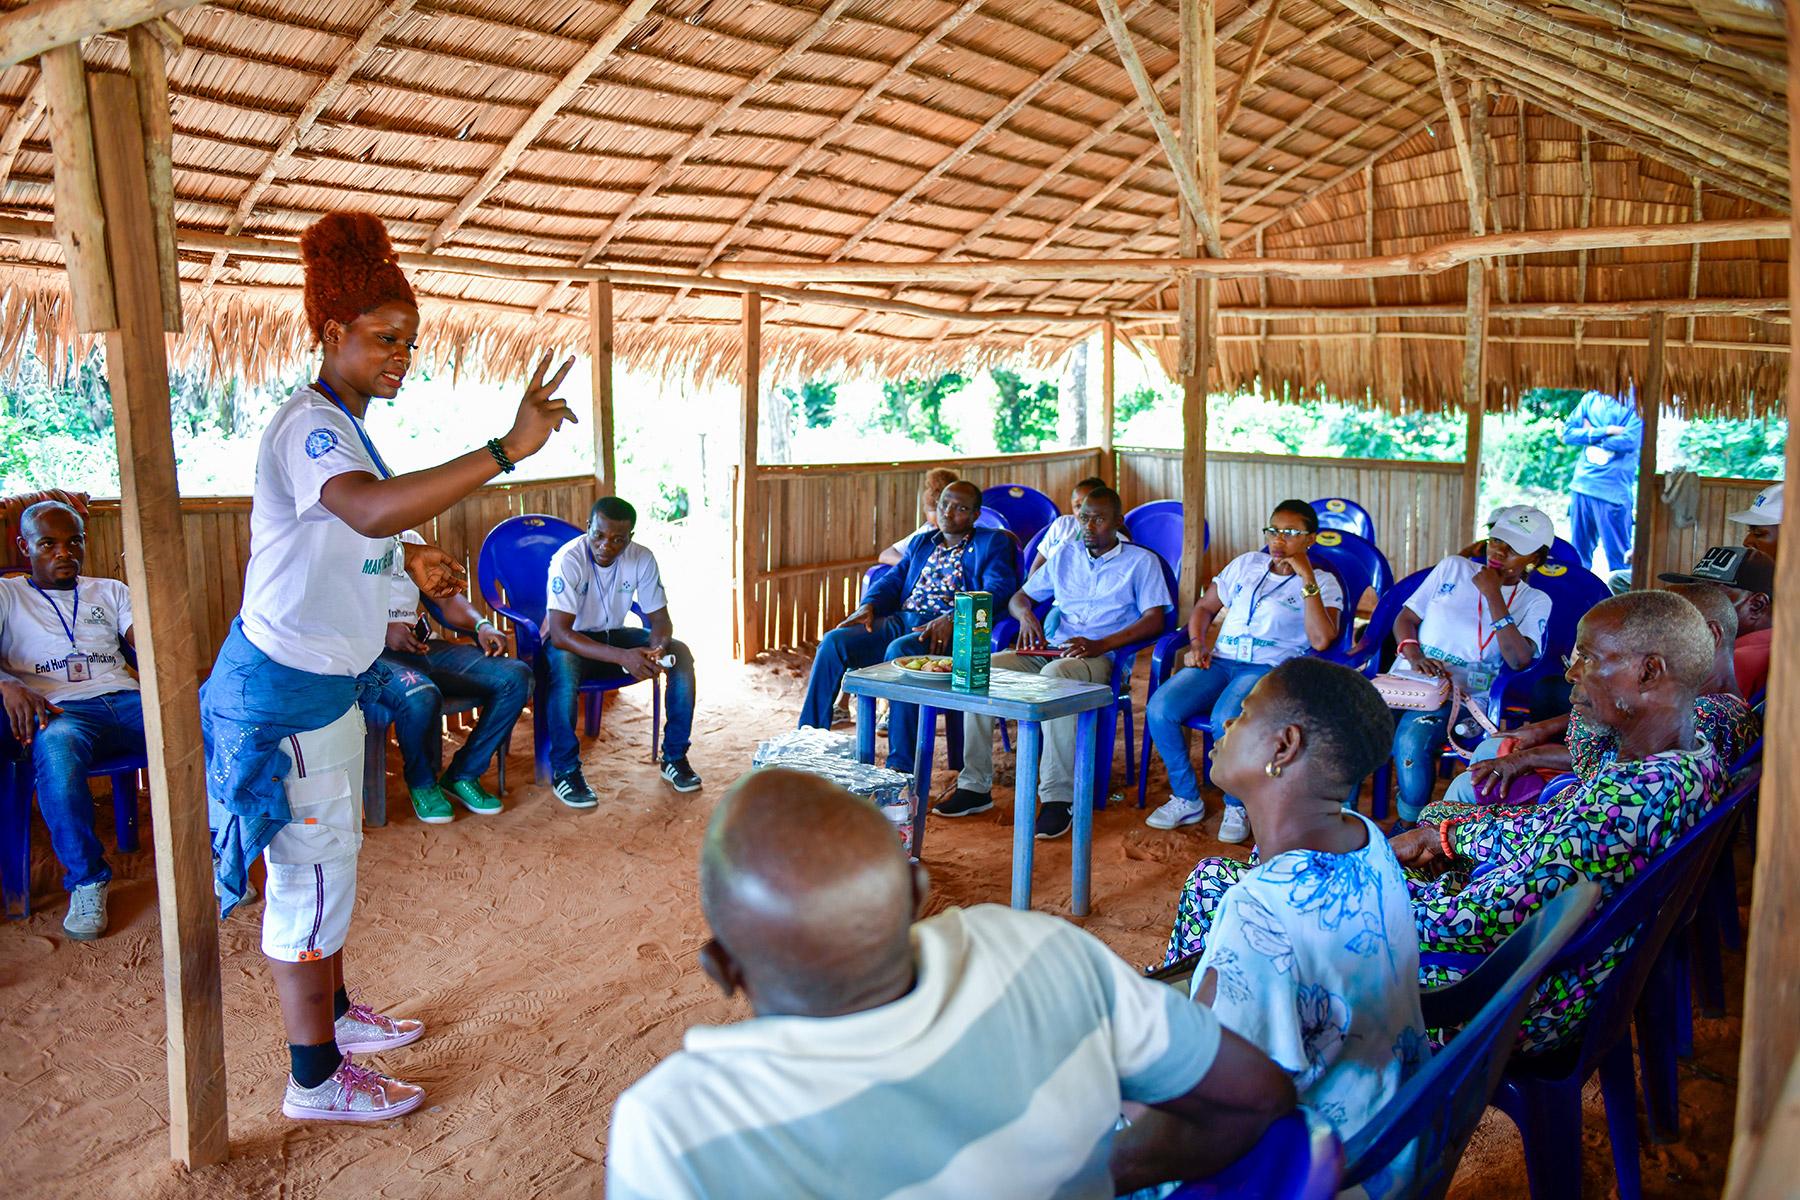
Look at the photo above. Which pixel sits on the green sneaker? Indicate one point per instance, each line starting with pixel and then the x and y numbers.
pixel 474 797
pixel 430 804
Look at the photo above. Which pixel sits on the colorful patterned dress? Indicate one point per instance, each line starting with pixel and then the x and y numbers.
pixel 1605 830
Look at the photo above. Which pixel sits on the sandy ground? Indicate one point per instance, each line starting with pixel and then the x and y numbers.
pixel 551 955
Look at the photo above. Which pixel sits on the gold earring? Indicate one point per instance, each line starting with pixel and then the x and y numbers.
pixel 1273 770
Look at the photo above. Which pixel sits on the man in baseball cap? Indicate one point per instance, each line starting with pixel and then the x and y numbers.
pixel 1748 577
pixel 1762 520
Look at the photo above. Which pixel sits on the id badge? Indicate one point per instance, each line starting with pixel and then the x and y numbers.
pixel 1481 681
pixel 78 668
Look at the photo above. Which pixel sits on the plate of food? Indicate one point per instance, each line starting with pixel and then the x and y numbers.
pixel 932 668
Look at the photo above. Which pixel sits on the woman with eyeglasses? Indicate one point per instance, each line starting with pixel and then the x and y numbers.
pixel 1468 620
pixel 1275 606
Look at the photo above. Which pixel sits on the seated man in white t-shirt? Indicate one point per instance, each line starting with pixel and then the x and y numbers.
pixel 70 699
pixel 595 580
pixel 983 1052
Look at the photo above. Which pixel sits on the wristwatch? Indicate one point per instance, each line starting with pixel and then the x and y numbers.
pixel 1506 622
pixel 1310 590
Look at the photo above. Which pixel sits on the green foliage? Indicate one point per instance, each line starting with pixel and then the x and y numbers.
pixel 1138 400
pixel 1526 447
pixel 1754 449
pixel 915 407
pixel 671 503
pixel 814 401
pixel 1024 415
pixel 1373 433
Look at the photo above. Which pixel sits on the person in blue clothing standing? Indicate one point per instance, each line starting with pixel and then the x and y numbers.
pixel 1610 433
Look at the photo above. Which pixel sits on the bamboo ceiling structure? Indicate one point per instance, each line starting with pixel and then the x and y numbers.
pixel 545 141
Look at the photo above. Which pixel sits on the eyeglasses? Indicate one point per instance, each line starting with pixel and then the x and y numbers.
pixel 1271 531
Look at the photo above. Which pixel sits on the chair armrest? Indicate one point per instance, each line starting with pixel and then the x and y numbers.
pixel 1362 656
pixel 1455 1003
pixel 1162 658
pixel 526 633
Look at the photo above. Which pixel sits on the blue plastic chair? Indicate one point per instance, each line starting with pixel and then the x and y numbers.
pixel 1358 565
pixel 1346 516
pixel 1158 525
pixel 1297 1158
pixel 514 570
pixel 1542 1092
pixel 987 518
pixel 1436 1112
pixel 16 789
pixel 1025 510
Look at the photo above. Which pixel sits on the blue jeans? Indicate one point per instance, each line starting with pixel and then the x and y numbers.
pixel 569 671
pixel 413 701
pixel 1462 788
pixel 1419 738
pixel 842 651
pixel 1220 690
pixel 1592 522
pixel 87 731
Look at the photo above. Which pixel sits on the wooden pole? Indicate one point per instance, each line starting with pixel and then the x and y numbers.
pixel 80 223
pixel 150 78
pixel 1770 1046
pixel 168 658
pixel 749 547
pixel 600 351
pixel 1650 403
pixel 1199 320
pixel 1109 348
pixel 1248 74
pixel 36 28
pixel 1474 370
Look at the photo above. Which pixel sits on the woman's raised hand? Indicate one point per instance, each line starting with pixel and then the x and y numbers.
pixel 541 413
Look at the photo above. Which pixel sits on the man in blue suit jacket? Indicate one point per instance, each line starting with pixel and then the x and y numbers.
pixel 1609 431
pixel 909 610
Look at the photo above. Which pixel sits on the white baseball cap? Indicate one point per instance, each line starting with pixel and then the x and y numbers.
pixel 1764 510
pixel 1524 528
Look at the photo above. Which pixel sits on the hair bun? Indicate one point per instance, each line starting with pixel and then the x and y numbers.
pixel 350 268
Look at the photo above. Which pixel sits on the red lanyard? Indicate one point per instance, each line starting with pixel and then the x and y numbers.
pixel 1482 643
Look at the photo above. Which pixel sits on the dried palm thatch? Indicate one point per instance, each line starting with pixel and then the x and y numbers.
pixel 695 134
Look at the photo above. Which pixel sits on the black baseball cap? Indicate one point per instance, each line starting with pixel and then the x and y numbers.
pixel 1731 566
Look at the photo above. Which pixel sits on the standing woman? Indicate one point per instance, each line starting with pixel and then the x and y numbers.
pixel 1276 607
pixel 1466 622
pixel 284 735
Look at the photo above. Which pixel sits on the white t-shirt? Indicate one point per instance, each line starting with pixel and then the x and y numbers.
pixel 999 1074
pixel 34 643
pixel 599 598
pixel 403 598
pixel 1265 614
pixel 316 591
pixel 904 544
pixel 1455 626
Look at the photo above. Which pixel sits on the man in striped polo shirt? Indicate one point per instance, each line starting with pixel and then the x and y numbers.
pixel 981 1052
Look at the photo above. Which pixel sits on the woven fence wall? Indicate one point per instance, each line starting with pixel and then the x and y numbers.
pixel 817 529
pixel 218 541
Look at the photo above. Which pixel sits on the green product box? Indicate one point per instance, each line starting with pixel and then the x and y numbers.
pixel 971 641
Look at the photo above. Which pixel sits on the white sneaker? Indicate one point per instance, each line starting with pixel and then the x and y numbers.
pixel 353 1093
pixel 1235 825
pixel 86 919
pixel 1176 813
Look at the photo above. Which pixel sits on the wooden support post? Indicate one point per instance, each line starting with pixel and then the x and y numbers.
pixel 1651 399
pixel 80 223
pixel 749 531
pixel 1474 372
pixel 168 658
pixel 1199 310
pixel 1109 339
pixel 600 352
pixel 150 78
pixel 1770 1045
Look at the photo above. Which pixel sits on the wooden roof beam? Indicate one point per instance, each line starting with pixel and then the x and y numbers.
pixel 315 106
pixel 30 110
pixel 1249 72
pixel 1183 170
pixel 1768 72
pixel 573 80
pixel 1374 69
pixel 29 31
pixel 1474 186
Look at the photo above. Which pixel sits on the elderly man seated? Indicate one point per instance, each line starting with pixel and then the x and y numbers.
pixel 908 609
pixel 70 699
pixel 1108 593
pixel 1640 661
pixel 1748 577
pixel 983 1052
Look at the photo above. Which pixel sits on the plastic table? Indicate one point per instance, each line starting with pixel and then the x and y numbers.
pixel 1014 696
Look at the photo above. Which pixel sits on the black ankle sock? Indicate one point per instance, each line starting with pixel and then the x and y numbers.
pixel 340 1004
pixel 313 1065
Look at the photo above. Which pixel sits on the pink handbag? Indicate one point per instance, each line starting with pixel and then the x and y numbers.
pixel 1420 693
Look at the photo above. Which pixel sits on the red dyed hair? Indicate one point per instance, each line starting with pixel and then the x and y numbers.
pixel 350 268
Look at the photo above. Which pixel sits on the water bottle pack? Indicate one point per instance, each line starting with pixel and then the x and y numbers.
pixel 805 742
pixel 890 791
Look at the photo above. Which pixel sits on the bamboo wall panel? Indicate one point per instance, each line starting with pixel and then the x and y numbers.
pixel 1413 504
pixel 1679 549
pixel 822 527
pixel 218 541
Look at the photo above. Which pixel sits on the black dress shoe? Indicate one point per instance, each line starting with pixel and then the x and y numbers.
pixel 964 803
pixel 1054 820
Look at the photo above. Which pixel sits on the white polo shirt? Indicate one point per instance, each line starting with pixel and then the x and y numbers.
pixel 1455 624
pixel 403 597
pixel 35 630
pixel 1099 595
pixel 316 591
pixel 600 597
pixel 1265 615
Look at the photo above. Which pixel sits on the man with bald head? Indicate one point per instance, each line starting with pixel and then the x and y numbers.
pixel 70 700
pixel 982 1052
pixel 1640 662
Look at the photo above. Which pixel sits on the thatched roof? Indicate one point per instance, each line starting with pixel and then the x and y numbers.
pixel 695 134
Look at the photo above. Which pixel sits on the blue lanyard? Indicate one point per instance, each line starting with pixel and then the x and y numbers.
pixel 74 609
pixel 374 455
pixel 1257 595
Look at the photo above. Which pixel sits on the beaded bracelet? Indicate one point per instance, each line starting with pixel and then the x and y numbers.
pixel 1444 828
pixel 499 452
